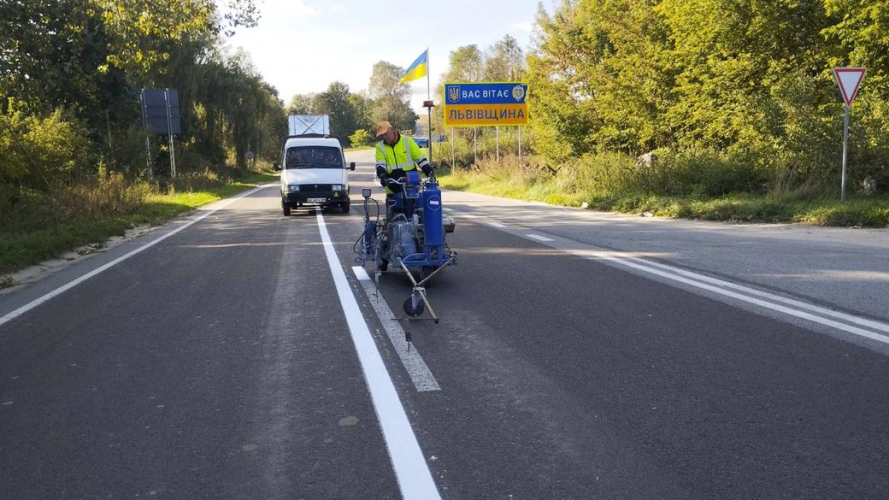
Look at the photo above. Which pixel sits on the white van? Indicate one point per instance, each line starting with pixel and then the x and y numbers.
pixel 313 172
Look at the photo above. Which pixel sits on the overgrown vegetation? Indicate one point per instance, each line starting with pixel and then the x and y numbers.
pixel 611 182
pixel 722 109
pixel 746 82
pixel 76 164
pixel 34 229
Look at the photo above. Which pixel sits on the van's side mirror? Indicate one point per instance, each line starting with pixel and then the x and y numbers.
pixel 276 166
pixel 352 166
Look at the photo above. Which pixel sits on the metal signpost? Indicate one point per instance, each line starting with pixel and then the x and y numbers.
pixel 160 114
pixel 849 81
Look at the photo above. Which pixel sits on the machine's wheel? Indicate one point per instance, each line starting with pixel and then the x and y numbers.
pixel 346 207
pixel 384 265
pixel 285 207
pixel 409 307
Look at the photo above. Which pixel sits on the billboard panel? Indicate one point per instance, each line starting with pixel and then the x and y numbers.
pixel 485 104
pixel 160 111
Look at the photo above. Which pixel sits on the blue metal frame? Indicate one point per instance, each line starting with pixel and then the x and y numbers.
pixel 426 196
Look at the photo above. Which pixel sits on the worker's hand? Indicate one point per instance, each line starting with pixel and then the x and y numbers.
pixel 427 169
pixel 393 184
pixel 381 171
pixel 384 180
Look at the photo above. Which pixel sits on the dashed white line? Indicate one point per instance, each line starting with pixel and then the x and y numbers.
pixel 411 471
pixel 876 325
pixel 822 315
pixel 416 368
pixel 762 303
pixel 538 237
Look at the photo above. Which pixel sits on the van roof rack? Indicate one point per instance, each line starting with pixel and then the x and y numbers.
pixel 312 136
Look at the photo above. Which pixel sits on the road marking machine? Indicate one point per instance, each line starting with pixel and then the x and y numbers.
pixel 410 238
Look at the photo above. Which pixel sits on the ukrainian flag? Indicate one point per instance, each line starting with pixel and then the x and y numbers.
pixel 417 69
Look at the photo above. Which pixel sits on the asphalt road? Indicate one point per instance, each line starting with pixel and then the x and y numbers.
pixel 237 354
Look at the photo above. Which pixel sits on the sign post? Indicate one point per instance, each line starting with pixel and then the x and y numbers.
pixel 849 81
pixel 160 114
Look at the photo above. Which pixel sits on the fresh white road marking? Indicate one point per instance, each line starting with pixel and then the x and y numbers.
pixel 62 289
pixel 539 238
pixel 791 307
pixel 410 357
pixel 876 325
pixel 411 471
pixel 762 303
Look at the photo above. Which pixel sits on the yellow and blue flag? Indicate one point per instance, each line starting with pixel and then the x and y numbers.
pixel 417 69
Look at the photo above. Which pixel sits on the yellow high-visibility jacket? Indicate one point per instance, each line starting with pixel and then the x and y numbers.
pixel 404 155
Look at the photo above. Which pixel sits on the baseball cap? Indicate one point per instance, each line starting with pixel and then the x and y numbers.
pixel 382 127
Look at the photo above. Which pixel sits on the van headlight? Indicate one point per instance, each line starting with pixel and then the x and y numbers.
pixel 293 188
pixel 337 187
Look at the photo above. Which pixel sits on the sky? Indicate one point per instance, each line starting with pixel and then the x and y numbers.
pixel 302 46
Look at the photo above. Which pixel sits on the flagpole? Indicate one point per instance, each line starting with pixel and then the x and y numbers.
pixel 429 109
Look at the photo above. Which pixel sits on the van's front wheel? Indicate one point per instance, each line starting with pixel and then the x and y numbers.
pixel 347 206
pixel 285 207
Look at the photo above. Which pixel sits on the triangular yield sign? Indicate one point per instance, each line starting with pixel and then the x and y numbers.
pixel 849 79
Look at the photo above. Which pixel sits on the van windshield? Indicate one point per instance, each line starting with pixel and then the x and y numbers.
pixel 313 157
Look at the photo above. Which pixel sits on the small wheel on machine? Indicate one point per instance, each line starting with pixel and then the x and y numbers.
pixel 410 310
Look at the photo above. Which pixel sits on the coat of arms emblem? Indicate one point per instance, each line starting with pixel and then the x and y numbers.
pixel 518 93
pixel 454 93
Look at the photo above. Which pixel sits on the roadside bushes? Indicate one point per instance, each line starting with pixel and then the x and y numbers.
pixel 360 138
pixel 101 196
pixel 692 172
pixel 42 151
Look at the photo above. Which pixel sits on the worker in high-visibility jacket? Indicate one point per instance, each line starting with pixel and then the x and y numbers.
pixel 397 154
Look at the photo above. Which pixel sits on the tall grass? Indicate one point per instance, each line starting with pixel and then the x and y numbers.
pixel 703 185
pixel 36 225
pixel 103 196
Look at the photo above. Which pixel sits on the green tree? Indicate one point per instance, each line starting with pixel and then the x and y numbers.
pixel 570 48
pixel 300 104
pixel 505 61
pixel 335 101
pixel 391 98
pixel 465 64
pixel 363 106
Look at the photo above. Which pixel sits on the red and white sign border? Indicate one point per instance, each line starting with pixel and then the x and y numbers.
pixel 849 96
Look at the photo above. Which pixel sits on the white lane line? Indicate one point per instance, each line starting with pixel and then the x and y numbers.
pixel 420 375
pixel 496 224
pixel 411 471
pixel 64 288
pixel 762 303
pixel 539 238
pixel 876 325
pixel 700 281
